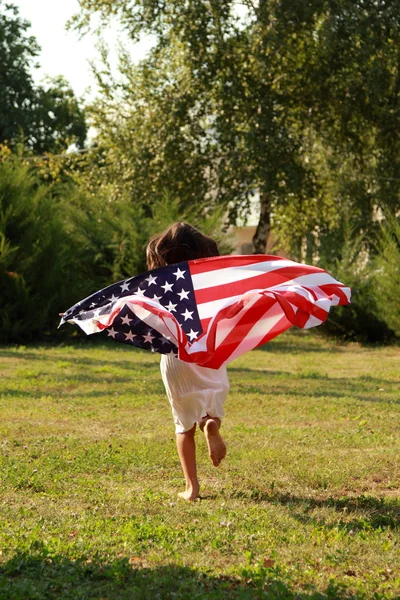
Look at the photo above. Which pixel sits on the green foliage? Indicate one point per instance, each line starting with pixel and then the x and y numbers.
pixel 296 101
pixel 48 117
pixel 386 275
pixel 371 315
pixel 58 243
pixel 39 267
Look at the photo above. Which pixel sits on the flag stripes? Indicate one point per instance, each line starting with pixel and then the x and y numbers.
pixel 209 311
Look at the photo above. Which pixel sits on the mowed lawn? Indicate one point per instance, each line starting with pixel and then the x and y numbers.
pixel 305 506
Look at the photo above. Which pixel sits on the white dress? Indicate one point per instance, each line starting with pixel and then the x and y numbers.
pixel 193 391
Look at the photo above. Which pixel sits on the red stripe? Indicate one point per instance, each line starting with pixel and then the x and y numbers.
pixel 202 265
pixel 285 299
pixel 331 289
pixel 304 306
pixel 282 325
pixel 219 355
pixel 240 286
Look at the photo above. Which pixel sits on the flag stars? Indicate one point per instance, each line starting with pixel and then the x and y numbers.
pixel 183 294
pixel 126 320
pixel 179 274
pixel 171 307
pixel 151 279
pixel 129 336
pixel 139 292
pixel 148 337
pixel 112 333
pixel 157 298
pixel 113 298
pixel 187 314
pixel 124 287
pixel 167 287
pixel 192 335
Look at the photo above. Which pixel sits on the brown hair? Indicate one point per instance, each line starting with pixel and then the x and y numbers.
pixel 179 242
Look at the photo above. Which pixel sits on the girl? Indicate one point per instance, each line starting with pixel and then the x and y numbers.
pixel 196 394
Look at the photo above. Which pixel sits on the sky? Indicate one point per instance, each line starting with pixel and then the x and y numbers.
pixel 63 53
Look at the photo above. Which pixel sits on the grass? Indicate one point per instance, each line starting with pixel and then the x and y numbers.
pixel 305 506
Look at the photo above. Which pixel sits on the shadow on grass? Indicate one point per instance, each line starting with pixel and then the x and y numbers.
pixel 41 575
pixel 358 513
pixel 46 355
pixel 359 388
pixel 299 346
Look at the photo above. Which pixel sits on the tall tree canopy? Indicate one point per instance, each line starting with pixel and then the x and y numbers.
pixel 297 101
pixel 48 117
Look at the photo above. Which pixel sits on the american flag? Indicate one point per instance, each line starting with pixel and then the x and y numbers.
pixel 210 311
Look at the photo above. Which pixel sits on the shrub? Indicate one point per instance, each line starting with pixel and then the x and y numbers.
pixel 363 319
pixel 38 270
pixel 386 275
pixel 58 244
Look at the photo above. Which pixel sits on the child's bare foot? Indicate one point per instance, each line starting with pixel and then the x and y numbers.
pixel 215 443
pixel 190 494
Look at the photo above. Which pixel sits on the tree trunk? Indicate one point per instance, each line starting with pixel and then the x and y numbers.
pixel 261 235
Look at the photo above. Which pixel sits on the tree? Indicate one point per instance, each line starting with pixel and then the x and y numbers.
pixel 48 117
pixel 285 99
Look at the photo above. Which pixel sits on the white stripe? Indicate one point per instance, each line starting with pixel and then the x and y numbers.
pixel 312 279
pixel 209 309
pixel 312 322
pixel 225 326
pixel 231 274
pixel 260 330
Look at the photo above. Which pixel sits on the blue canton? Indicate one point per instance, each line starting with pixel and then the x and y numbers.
pixel 171 286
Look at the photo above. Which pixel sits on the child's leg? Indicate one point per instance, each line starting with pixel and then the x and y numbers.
pixel 216 445
pixel 186 446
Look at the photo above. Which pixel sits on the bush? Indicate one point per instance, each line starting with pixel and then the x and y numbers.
pixel 58 244
pixel 386 276
pixel 363 320
pixel 38 270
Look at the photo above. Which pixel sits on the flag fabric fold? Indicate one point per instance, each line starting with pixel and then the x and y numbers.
pixel 210 311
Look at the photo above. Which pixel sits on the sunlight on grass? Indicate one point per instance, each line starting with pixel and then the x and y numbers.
pixel 305 505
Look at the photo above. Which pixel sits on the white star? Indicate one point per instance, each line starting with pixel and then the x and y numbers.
pixel 193 334
pixel 167 287
pixel 126 320
pixel 91 306
pixel 111 332
pixel 97 312
pixel 124 287
pixel 165 340
pixel 113 298
pixel 171 307
pixel 129 336
pixel 157 297
pixel 184 295
pixel 148 338
pixel 139 292
pixel 151 279
pixel 187 314
pixel 179 274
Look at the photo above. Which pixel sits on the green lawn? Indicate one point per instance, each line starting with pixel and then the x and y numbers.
pixel 305 506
